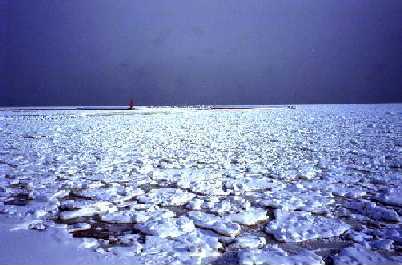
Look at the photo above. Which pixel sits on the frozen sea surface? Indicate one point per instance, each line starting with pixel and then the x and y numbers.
pixel 318 184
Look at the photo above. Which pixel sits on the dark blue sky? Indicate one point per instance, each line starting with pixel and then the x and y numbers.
pixel 101 52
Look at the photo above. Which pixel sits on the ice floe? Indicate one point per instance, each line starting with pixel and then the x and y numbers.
pixel 299 226
pixel 215 223
pixel 38 225
pixel 117 218
pixel 231 204
pixel 190 248
pixel 393 196
pixel 78 227
pixel 96 208
pixel 155 214
pixel 383 244
pixel 359 255
pixel 167 227
pixel 374 211
pixel 249 217
pixel 274 255
pixel 297 197
pixel 248 241
pixel 167 197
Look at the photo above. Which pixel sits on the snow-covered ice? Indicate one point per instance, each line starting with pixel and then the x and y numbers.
pixel 96 208
pixel 249 217
pixel 393 196
pixel 249 241
pixel 188 186
pixel 300 226
pixel 219 225
pixel 274 255
pixel 167 227
pixel 374 211
pixel 358 254
pixel 167 197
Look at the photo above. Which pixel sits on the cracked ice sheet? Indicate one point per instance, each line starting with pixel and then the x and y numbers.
pixel 87 153
pixel 274 255
pixel 300 226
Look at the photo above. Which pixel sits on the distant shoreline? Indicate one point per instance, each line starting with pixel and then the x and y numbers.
pixel 199 107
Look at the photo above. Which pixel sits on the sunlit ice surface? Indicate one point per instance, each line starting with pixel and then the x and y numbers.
pixel 311 185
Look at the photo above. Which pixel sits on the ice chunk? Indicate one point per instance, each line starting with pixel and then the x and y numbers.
pixel 194 244
pixel 128 251
pixel 156 244
pixel 393 196
pixel 384 244
pixel 248 241
pixel 393 233
pixel 40 213
pixel 167 227
pixel 211 186
pixel 195 204
pixel 37 225
pixel 199 244
pixel 78 227
pixel 2 208
pixel 394 179
pixel 252 183
pixel 299 226
pixel 298 198
pixel 249 217
pixel 219 225
pixel 89 243
pixel 359 255
pixel 159 250
pixel 143 216
pixel 308 172
pixel 129 239
pixel 117 218
pixel 232 204
pixel 275 255
pixel 167 197
pixel 60 194
pixel 358 236
pixel 373 211
pixel 347 191
pixel 96 208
